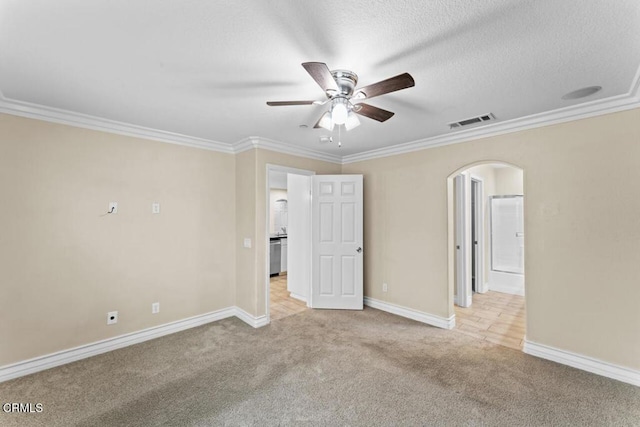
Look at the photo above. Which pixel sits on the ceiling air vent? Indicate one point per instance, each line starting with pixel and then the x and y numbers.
pixel 472 121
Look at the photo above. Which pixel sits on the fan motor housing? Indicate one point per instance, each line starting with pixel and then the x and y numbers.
pixel 346 80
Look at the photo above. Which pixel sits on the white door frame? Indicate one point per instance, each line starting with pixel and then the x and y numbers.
pixel 462 232
pixel 274 168
pixel 481 286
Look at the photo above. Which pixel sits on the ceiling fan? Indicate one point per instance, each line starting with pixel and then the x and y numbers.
pixel 344 99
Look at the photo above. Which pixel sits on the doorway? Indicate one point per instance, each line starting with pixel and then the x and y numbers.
pixel 283 226
pixel 323 239
pixel 488 252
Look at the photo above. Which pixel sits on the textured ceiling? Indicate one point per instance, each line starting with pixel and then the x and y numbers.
pixel 206 68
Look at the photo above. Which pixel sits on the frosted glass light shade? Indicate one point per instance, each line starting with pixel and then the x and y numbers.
pixel 339 113
pixel 352 121
pixel 326 122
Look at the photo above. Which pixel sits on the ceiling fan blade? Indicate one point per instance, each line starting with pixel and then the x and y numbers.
pixel 401 81
pixel 282 103
pixel 372 112
pixel 322 75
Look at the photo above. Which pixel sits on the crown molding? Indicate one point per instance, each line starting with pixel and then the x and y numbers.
pixel 561 115
pixel 65 117
pixel 576 112
pixel 634 91
pixel 284 148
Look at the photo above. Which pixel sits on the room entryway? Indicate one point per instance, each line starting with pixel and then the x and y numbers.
pixel 495 317
pixel 282 305
pixel 286 226
pixel 315 234
pixel 488 253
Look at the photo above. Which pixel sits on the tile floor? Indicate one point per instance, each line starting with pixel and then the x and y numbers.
pixel 281 304
pixel 495 317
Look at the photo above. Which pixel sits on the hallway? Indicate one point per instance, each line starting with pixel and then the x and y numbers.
pixel 281 304
pixel 494 316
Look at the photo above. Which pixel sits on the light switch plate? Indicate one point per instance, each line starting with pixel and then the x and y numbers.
pixel 247 242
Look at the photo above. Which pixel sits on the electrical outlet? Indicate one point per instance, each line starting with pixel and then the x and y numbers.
pixel 113 208
pixel 155 208
pixel 112 317
pixel 247 242
pixel 155 308
pixel 385 287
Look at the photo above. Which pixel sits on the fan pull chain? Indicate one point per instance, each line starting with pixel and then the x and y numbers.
pixel 339 137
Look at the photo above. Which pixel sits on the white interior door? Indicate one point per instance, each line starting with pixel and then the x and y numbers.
pixel 337 229
pixel 299 236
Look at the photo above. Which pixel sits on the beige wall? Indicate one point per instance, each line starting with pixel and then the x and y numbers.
pixel 64 263
pixel 509 181
pixel 246 275
pixel 583 234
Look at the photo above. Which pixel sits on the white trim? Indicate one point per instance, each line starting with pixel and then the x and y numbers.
pixel 468 301
pixel 71 118
pixel 498 283
pixel 254 321
pixel 584 363
pixel 298 297
pixel 281 147
pixel 63 357
pixel 479 273
pixel 598 107
pixel 409 313
pixel 462 233
pixel 634 90
pixel 484 288
pixel 576 112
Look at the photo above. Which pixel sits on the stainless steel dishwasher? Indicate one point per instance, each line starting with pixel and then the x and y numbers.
pixel 275 253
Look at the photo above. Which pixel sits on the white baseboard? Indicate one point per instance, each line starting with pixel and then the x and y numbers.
pixel 429 319
pixel 513 290
pixel 585 363
pixel 507 283
pixel 63 357
pixel 298 297
pixel 255 321
pixel 484 287
pixel 467 303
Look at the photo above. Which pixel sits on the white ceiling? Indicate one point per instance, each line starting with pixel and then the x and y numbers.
pixel 206 68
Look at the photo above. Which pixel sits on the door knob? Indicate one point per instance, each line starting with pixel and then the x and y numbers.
pixel 359 250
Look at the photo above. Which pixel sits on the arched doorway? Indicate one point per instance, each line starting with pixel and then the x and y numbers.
pixel 486 251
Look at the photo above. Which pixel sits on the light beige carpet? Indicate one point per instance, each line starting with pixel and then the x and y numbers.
pixel 320 368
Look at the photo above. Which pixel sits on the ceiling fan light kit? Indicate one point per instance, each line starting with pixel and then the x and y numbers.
pixel 352 121
pixel 339 111
pixel 339 87
pixel 326 122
